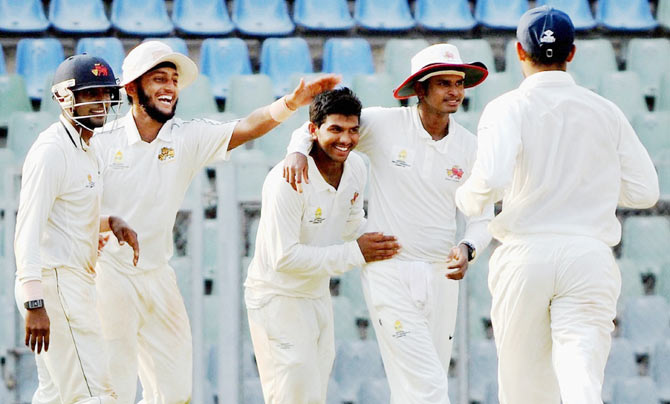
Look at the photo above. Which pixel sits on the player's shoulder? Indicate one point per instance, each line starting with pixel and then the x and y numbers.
pixel 196 123
pixel 356 162
pixel 383 112
pixel 49 148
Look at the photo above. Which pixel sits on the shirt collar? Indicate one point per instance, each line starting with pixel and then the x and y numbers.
pixel 164 134
pixel 551 77
pixel 316 178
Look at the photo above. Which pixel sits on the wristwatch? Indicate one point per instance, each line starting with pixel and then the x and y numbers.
pixel 472 252
pixel 34 304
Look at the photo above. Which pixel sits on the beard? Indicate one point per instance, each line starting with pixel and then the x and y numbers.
pixel 151 109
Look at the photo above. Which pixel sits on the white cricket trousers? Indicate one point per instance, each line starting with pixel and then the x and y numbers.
pixel 74 370
pixel 294 344
pixel 554 302
pixel 413 309
pixel 146 327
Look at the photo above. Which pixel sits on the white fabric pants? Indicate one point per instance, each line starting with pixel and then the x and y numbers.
pixel 146 327
pixel 554 301
pixel 413 308
pixel 294 343
pixel 74 370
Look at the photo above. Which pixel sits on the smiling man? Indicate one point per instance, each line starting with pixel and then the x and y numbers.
pixel 303 239
pixel 149 161
pixel 418 157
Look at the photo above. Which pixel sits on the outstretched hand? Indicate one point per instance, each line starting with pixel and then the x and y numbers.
pixel 124 234
pixel 305 92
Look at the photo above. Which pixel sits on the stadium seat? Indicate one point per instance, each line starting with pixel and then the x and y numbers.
pixel 468 119
pixel 35 60
pixel 475 50
pixel 374 391
pixel 663 99
pixel 22 16
pixel 482 368
pixel 637 60
pixel 397 56
pixel 631 281
pixel 645 321
pixel 356 361
pixel 322 15
pixel 348 57
pixel 274 144
pixel 345 318
pixel 512 64
pixel 220 59
pixel 197 100
pixel 479 303
pixel 638 390
pixel 23 129
pixel 495 85
pixel 7 169
pixel 578 10
pixel 13 97
pixel 663 13
pixel 252 391
pixel 500 14
pixel 142 18
pixel 248 92
pixel 202 17
pixel 437 15
pixel 78 16
pixel 110 49
pixel 593 58
pixel 620 365
pixel 251 168
pixel 177 44
pixel 644 239
pixel 663 281
pixel 625 90
pixel 282 57
pixel 383 15
pixel 625 15
pixel 48 104
pixel 350 286
pixel 3 67
pixel 262 17
pixel 660 368
pixel 375 90
pixel 653 130
pixel 663 168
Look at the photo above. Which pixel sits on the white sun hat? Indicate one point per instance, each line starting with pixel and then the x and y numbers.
pixel 152 53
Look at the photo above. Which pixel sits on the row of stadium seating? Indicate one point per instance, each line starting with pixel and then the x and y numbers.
pixel 271 17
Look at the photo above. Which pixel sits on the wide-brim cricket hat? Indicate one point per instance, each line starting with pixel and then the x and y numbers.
pixel 436 59
pixel 149 54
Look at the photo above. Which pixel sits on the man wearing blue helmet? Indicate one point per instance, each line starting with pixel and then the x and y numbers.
pixel 562 159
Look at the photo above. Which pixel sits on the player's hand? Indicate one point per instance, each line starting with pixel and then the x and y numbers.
pixel 458 261
pixel 124 234
pixel 37 330
pixel 377 246
pixel 102 242
pixel 295 170
pixel 305 93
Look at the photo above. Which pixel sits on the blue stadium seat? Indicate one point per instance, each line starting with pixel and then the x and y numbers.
pixel 652 129
pixel 109 48
pixel 282 57
pixel 383 15
pixel 644 239
pixel 345 318
pixel 251 168
pixel 197 100
pixel 13 97
pixel 578 10
pixel 637 60
pixel 620 365
pixel 625 90
pixel 23 129
pixel 202 17
pixel 660 368
pixel 593 58
pixel 625 15
pixel 22 16
pixel 375 90
pixel 631 281
pixel 48 104
pixel 262 17
pixel 141 18
pixel 663 13
pixel 3 67
pixel 645 321
pixel 638 390
pixel 475 50
pixel 374 391
pixel 78 16
pixel 397 56
pixel 356 362
pixel 220 59
pixel 663 99
pixel 483 368
pixel 348 57
pixel 500 14
pixel 175 43
pixel 438 15
pixel 512 64
pixel 663 168
pixel 35 60
pixel 322 15
pixel 252 391
pixel 495 85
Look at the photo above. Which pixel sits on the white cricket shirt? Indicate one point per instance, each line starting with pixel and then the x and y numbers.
pixel 412 181
pixel 59 206
pixel 561 157
pixel 304 238
pixel 145 183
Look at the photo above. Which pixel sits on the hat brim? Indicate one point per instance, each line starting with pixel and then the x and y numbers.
pixel 475 73
pixel 187 69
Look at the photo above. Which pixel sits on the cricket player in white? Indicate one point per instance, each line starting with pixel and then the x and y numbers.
pixel 149 161
pixel 56 239
pixel 561 158
pixel 303 239
pixel 418 157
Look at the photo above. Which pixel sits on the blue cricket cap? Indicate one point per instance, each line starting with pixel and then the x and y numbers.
pixel 546 33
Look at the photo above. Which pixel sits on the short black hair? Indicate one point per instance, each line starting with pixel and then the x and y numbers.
pixel 541 60
pixel 341 101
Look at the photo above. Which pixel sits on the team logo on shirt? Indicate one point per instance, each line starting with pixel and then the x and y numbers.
pixel 454 173
pixel 399 330
pixel 401 159
pixel 118 161
pixel 91 183
pixel 353 200
pixel 166 154
pixel 318 213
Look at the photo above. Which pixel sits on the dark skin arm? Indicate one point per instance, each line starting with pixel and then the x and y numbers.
pixel 377 246
pixel 458 262
pixel 37 330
